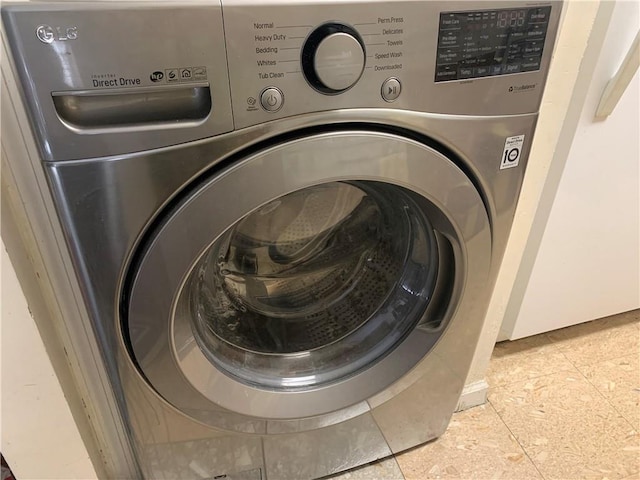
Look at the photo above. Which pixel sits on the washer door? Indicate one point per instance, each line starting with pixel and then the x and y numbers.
pixel 307 277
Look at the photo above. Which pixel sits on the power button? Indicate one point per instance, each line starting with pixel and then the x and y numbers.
pixel 271 99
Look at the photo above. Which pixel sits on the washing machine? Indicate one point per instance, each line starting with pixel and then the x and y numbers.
pixel 285 218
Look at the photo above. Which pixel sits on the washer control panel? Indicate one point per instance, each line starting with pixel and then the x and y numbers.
pixel 230 64
pixel 448 57
pixel 490 42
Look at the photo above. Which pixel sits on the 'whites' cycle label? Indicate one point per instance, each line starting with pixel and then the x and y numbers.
pixel 512 152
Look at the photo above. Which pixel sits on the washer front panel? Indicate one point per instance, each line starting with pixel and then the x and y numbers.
pixel 164 345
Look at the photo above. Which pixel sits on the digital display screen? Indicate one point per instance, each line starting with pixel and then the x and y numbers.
pixel 490 42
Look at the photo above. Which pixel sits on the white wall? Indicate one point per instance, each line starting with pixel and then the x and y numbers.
pixel 578 28
pixel 39 437
pixel 588 262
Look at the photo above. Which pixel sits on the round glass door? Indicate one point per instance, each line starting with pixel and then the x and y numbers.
pixel 313 286
pixel 306 278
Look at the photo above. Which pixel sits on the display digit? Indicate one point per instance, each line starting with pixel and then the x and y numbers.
pixel 513 19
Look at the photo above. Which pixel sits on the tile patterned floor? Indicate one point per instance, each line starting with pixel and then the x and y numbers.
pixel 563 405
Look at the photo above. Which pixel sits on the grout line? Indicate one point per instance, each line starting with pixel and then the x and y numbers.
pixel 553 345
pixel 395 459
pixel 606 360
pixel 494 387
pixel 516 439
pixel 615 409
pixel 611 405
pixel 578 365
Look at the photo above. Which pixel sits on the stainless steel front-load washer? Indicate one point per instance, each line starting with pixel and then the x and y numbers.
pixel 285 218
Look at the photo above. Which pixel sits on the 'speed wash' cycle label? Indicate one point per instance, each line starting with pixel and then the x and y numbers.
pixel 512 152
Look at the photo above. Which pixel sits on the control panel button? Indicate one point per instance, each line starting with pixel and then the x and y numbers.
pixel 271 99
pixel 391 89
pixel 482 43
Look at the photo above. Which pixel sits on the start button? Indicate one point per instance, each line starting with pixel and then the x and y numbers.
pixel 391 89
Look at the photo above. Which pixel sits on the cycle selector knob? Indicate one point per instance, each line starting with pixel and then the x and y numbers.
pixel 333 58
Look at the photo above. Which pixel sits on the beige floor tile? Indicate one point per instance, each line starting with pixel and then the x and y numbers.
pixel 477 445
pixel 635 476
pixel 600 340
pixel 523 359
pixel 567 428
pixel 619 381
pixel 386 469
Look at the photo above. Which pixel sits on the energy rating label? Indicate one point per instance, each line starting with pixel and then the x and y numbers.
pixel 512 151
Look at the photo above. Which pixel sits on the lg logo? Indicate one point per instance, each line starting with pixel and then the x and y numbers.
pixel 49 34
pixel 45 34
